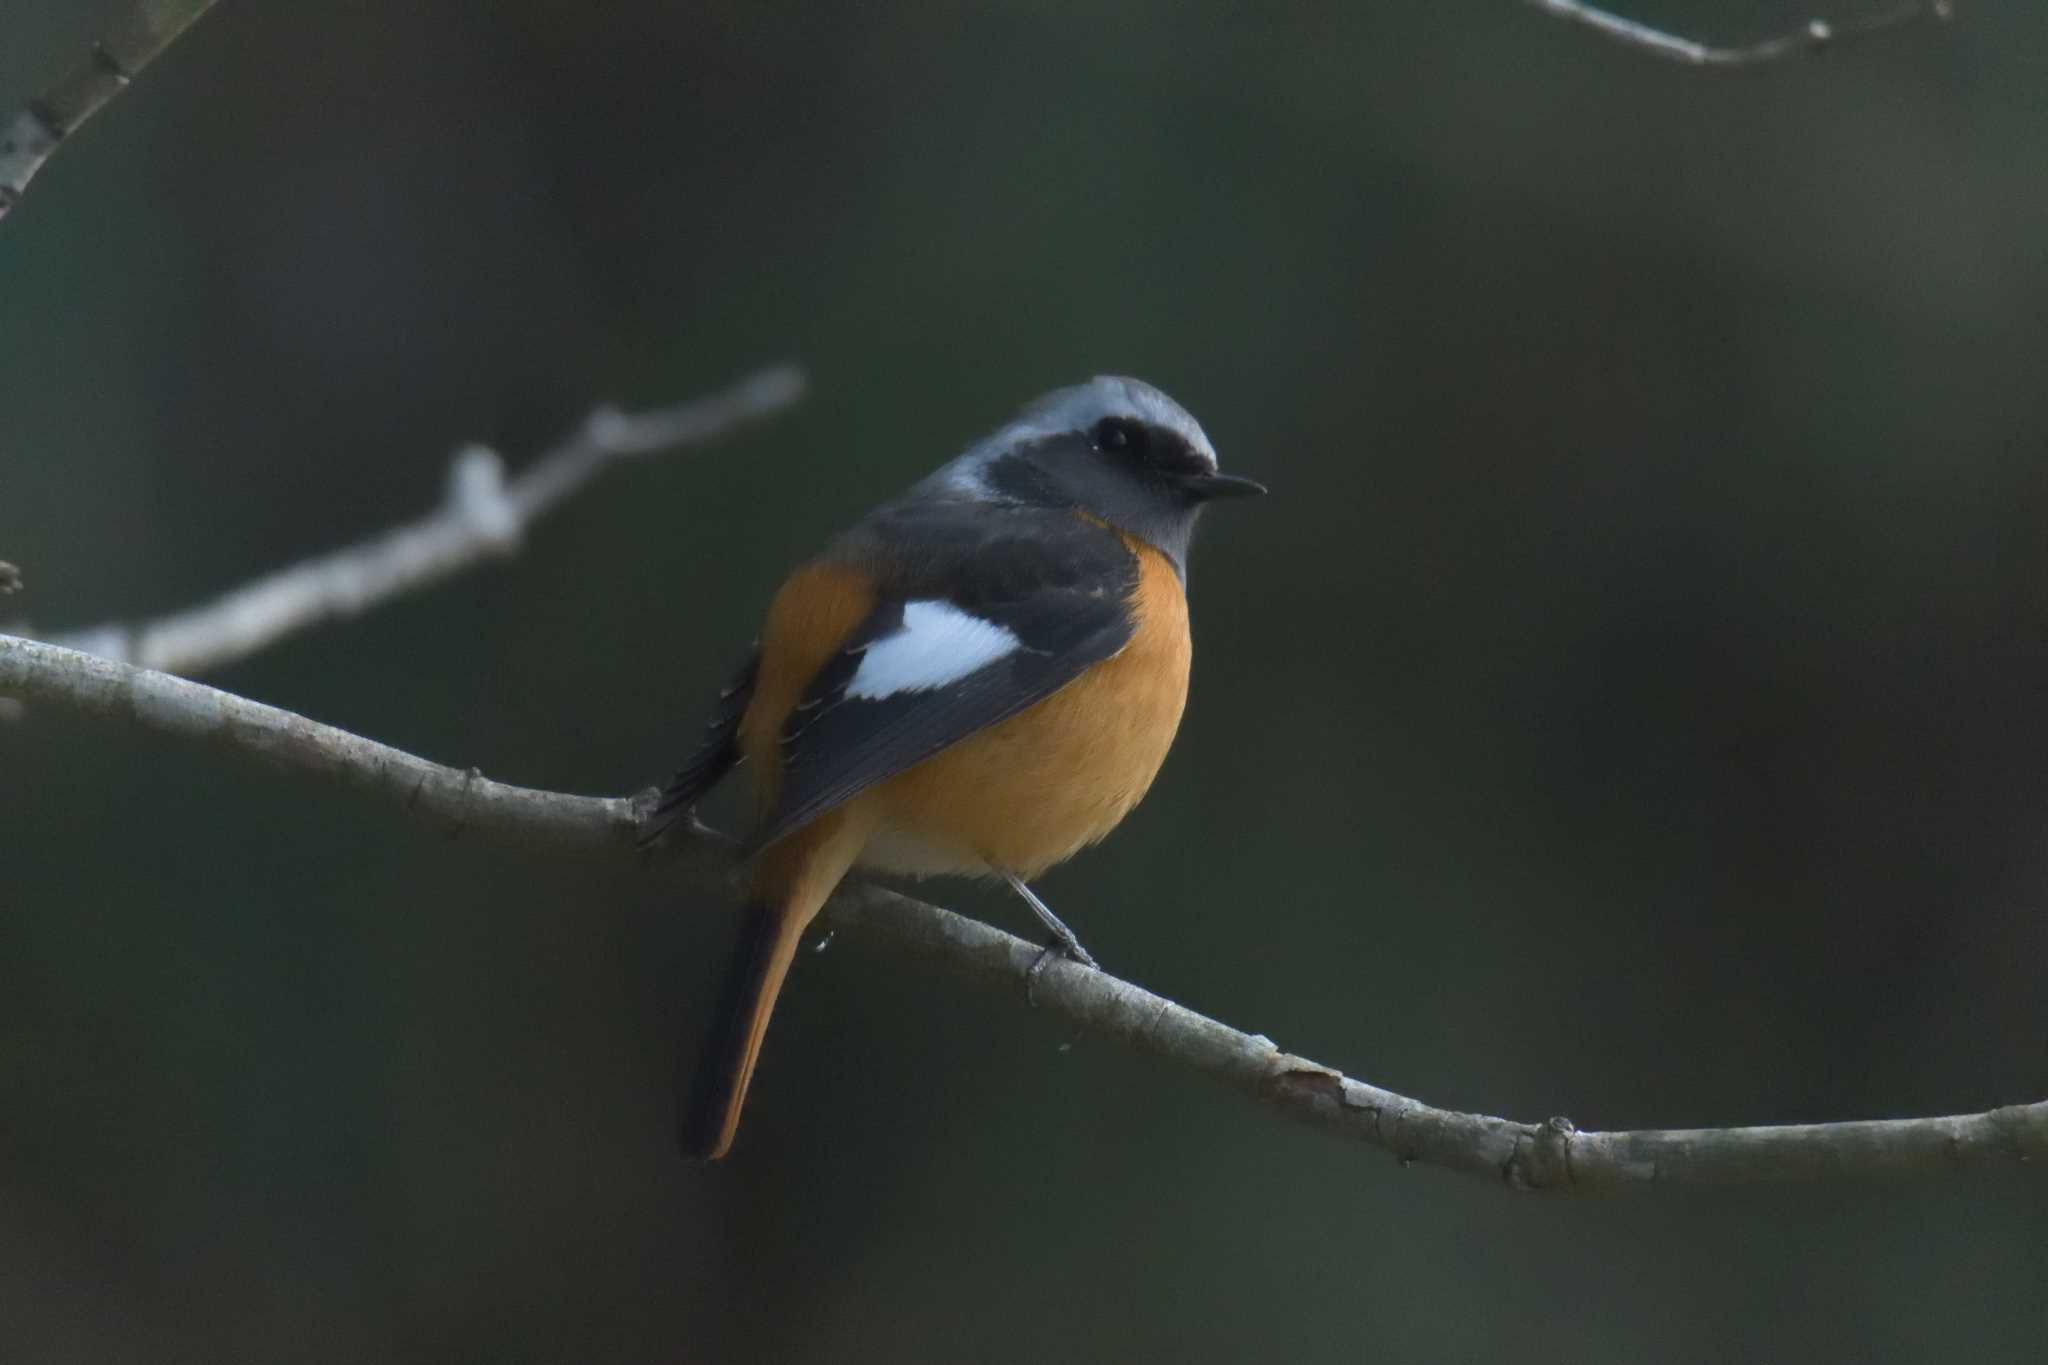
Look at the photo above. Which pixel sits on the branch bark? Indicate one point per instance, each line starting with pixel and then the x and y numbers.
pixel 1815 35
pixel 1553 1155
pixel 482 517
pixel 131 43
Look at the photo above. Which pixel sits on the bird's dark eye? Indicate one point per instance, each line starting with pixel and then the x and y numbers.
pixel 1119 433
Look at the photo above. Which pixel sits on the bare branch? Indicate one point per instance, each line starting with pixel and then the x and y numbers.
pixel 1533 1156
pixel 131 43
pixel 482 517
pixel 1815 35
pixel 451 800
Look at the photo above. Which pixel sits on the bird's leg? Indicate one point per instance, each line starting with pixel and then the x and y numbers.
pixel 1063 937
pixel 1053 923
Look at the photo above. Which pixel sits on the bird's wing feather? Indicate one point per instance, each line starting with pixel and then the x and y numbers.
pixel 980 611
pixel 715 755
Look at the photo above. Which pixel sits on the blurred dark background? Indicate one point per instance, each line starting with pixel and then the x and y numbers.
pixel 1628 704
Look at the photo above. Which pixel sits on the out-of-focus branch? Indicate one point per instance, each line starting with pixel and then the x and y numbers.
pixel 1533 1156
pixel 149 26
pixel 132 42
pixel 1813 36
pixel 10 578
pixel 483 516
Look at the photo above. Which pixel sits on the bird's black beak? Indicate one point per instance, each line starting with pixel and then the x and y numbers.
pixel 1208 487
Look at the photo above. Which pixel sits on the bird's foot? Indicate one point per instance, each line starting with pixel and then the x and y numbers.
pixel 1069 948
pixel 1063 943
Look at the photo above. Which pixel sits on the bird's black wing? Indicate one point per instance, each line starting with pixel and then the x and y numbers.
pixel 981 611
pixel 715 755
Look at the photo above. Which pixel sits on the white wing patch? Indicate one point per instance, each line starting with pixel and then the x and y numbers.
pixel 937 644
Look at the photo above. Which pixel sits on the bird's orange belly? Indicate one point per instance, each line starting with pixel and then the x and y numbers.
pixel 1037 788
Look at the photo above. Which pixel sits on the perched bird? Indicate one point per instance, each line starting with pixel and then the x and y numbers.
pixel 979 678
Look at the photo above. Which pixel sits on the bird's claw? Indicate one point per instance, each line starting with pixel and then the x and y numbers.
pixel 1069 948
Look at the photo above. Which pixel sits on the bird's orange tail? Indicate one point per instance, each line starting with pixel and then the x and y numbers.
pixel 796 879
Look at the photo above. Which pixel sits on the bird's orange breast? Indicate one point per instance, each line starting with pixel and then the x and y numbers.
pixel 1035 789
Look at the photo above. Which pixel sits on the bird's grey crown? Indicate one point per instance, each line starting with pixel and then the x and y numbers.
pixel 1107 395
pixel 1069 411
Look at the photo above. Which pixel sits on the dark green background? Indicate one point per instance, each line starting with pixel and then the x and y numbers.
pixel 1629 704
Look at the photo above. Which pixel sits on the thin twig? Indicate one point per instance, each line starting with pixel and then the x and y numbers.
pixel 1534 1156
pixel 132 42
pixel 1814 35
pixel 150 26
pixel 482 517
